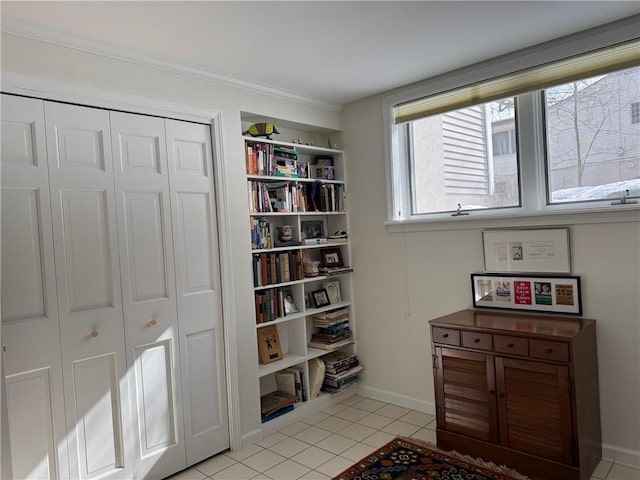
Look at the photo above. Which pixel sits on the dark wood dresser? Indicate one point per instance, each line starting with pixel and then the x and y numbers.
pixel 519 389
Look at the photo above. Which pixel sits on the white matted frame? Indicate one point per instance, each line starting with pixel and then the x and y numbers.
pixel 547 293
pixel 527 250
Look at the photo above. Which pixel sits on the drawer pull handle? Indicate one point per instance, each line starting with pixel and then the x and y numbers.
pixel 446 335
pixel 510 345
pixel 548 350
pixel 476 340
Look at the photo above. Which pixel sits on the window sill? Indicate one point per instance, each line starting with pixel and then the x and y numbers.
pixel 478 219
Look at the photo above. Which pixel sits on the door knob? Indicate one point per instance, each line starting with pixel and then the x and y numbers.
pixel 153 322
pixel 94 334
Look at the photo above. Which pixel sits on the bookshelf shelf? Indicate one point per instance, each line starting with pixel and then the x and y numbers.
pixel 299 204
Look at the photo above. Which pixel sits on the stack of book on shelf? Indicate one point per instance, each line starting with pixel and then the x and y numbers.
pixel 342 370
pixel 333 330
pixel 334 270
pixel 261 233
pixel 275 404
pixel 286 162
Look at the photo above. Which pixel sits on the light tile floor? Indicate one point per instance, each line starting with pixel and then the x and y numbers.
pixel 324 444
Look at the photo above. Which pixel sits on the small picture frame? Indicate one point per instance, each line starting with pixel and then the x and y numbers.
pixel 320 298
pixel 289 302
pixel 269 344
pixel 331 257
pixel 333 291
pixel 312 229
pixel 548 293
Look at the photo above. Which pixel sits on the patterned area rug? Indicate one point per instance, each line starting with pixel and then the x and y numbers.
pixel 410 459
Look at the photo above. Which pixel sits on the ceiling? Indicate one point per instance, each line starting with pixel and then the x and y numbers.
pixel 330 52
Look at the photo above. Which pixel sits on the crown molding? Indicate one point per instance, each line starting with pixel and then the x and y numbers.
pixel 22 29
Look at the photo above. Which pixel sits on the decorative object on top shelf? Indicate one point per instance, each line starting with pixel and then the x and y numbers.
pixel 544 250
pixel 269 344
pixel 262 130
pixel 560 294
pixel 285 233
pixel 311 268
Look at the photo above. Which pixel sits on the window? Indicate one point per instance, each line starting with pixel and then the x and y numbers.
pixel 635 112
pixel 592 152
pixel 456 158
pixel 559 141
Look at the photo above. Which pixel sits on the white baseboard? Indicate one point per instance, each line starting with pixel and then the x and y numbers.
pixel 621 455
pixel 401 400
pixel 250 438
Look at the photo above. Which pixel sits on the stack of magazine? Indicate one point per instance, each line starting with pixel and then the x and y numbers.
pixel 342 370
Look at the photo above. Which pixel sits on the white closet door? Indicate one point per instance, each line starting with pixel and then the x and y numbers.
pixel 89 296
pixel 148 293
pixel 198 289
pixel 30 329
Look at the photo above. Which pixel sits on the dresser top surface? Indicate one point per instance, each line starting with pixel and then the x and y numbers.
pixel 523 323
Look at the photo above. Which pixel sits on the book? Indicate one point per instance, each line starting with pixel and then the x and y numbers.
pixel 332 346
pixel 286 383
pixel 314 241
pixel 274 401
pixel 328 271
pixel 277 413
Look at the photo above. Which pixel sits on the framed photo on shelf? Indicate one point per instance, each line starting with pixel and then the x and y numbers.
pixel 269 344
pixel 320 298
pixel 312 228
pixel 289 302
pixel 535 250
pixel 547 293
pixel 333 291
pixel 331 257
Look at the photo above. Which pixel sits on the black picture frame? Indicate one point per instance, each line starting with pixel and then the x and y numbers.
pixel 331 258
pixel 320 298
pixel 312 229
pixel 536 293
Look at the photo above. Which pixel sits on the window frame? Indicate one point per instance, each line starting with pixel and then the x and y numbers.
pixel 534 209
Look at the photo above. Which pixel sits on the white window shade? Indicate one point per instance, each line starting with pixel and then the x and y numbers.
pixel 597 62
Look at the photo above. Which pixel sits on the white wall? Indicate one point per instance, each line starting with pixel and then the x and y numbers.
pixel 39 59
pixel 402 280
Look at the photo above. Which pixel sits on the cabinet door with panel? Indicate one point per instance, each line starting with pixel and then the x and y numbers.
pixel 30 329
pixel 149 292
pixel 88 286
pixel 465 393
pixel 535 408
pixel 199 298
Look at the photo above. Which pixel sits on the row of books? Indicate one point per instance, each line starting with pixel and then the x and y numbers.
pixel 267 197
pixel 262 233
pixel 273 160
pixel 276 267
pixel 274 303
pixel 342 370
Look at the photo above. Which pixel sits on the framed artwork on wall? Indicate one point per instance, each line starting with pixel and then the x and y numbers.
pixel 541 250
pixel 548 293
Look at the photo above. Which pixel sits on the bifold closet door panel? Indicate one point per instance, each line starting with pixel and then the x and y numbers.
pixel 30 329
pixel 198 289
pixel 89 295
pixel 148 292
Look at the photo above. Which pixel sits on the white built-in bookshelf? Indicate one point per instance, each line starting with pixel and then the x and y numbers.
pixel 299 190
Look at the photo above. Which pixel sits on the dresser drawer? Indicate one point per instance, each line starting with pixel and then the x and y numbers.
pixel 482 341
pixel 513 345
pixel 547 350
pixel 448 336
